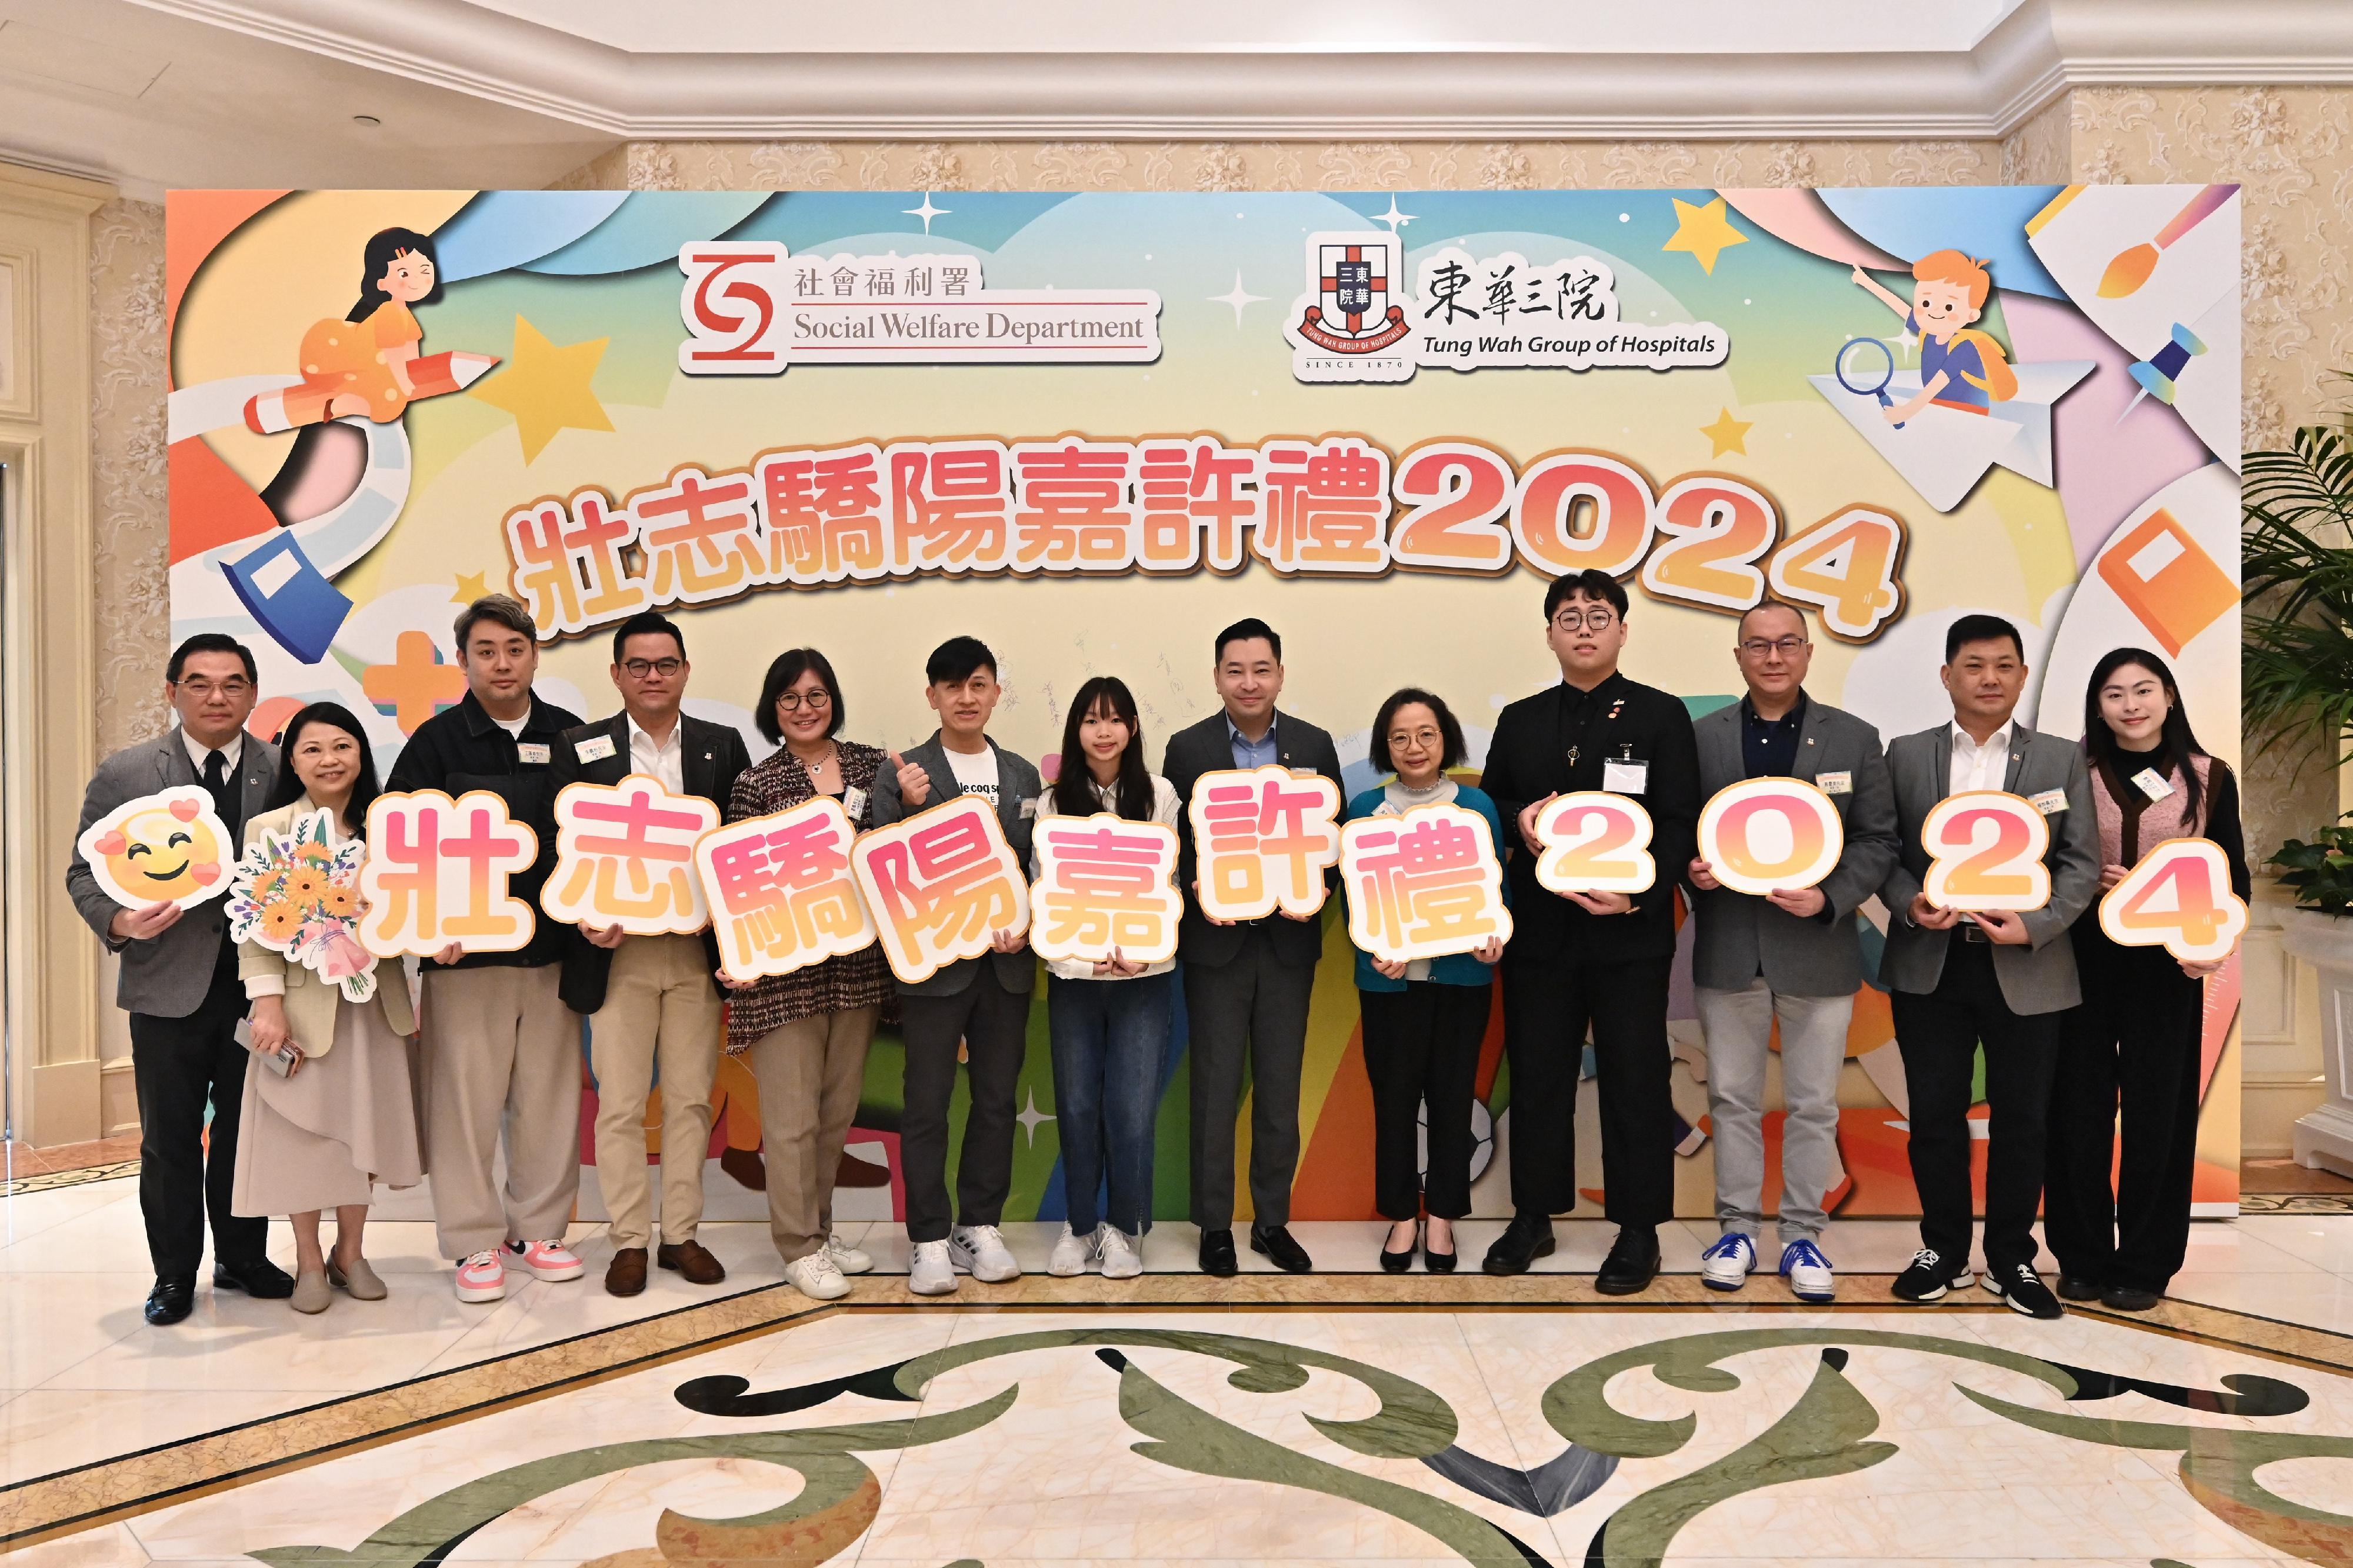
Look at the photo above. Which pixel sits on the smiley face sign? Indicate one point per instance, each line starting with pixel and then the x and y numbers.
pixel 168 847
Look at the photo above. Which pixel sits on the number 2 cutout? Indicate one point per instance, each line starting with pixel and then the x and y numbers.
pixel 2178 897
pixel 1595 843
pixel 1985 847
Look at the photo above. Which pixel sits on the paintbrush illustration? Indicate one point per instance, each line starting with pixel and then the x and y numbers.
pixel 2131 268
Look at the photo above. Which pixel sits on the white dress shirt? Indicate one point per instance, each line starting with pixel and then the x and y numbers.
pixel 1979 767
pixel 666 760
pixel 231 754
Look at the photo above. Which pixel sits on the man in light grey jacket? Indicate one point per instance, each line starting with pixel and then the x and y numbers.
pixel 982 1001
pixel 179 983
pixel 2003 977
pixel 1791 954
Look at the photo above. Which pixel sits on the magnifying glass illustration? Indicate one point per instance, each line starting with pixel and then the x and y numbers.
pixel 1859 375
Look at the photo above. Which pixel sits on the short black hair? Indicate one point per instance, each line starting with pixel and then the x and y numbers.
pixel 1593 583
pixel 1245 630
pixel 209 642
pixel 790 667
pixel 285 788
pixel 1740 628
pixel 957 660
pixel 1980 628
pixel 1450 729
pixel 647 624
pixel 498 609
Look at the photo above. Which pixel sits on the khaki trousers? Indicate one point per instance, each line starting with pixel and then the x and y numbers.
pixel 500 1049
pixel 810 1072
pixel 662 1009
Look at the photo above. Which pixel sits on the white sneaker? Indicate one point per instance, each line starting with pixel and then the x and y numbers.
pixel 483 1277
pixel 1072 1253
pixel 1116 1252
pixel 931 1273
pixel 980 1251
pixel 1726 1265
pixel 848 1259
pixel 814 1275
pixel 1808 1272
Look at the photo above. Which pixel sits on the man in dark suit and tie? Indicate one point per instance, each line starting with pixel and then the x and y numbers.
pixel 179 984
pixel 1246 986
pixel 652 1001
pixel 2004 978
pixel 1583 958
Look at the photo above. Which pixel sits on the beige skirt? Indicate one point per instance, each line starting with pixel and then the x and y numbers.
pixel 324 1138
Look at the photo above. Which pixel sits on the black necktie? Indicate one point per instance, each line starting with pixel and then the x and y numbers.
pixel 216 779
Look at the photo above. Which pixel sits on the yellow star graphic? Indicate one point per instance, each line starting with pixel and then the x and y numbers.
pixel 471 585
pixel 545 388
pixel 1703 231
pixel 1727 433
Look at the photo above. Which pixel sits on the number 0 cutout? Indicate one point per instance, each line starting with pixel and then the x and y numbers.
pixel 1987 848
pixel 1767 832
pixel 2178 897
pixel 1595 843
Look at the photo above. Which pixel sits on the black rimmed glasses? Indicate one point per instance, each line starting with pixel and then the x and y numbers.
pixel 818 700
pixel 639 668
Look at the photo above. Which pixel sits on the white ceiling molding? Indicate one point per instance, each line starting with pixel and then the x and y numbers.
pixel 1278 87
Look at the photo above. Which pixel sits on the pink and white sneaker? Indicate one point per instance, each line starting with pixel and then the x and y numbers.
pixel 548 1260
pixel 482 1278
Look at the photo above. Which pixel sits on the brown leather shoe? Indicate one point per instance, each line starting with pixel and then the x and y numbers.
pixel 690 1259
pixel 626 1275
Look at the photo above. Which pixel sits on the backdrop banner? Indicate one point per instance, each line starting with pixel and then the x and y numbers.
pixel 1092 429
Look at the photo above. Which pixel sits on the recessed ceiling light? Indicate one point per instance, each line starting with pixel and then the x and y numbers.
pixel 366 121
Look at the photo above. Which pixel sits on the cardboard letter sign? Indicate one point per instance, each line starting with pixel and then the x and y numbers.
pixel 1105 885
pixel 1423 884
pixel 780 890
pixel 1987 846
pixel 2178 897
pixel 1262 838
pixel 624 857
pixel 1768 833
pixel 939 885
pixel 437 873
pixel 1595 843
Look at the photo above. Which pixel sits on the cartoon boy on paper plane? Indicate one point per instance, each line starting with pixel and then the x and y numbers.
pixel 1960 367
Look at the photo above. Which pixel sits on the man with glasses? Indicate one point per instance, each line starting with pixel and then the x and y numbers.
pixel 652 1002
pixel 1591 959
pixel 179 984
pixel 1791 954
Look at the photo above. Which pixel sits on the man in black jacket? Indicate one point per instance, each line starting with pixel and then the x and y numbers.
pixel 651 1000
pixel 1600 959
pixel 500 1046
pixel 1246 985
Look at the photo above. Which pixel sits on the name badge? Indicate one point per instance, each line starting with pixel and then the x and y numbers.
pixel 2153 784
pixel 1625 778
pixel 1835 784
pixel 540 753
pixel 1303 772
pixel 853 803
pixel 1028 808
pixel 2050 803
pixel 595 749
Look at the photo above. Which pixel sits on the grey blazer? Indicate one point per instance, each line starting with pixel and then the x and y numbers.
pixel 165 977
pixel 1740 935
pixel 1016 784
pixel 2039 977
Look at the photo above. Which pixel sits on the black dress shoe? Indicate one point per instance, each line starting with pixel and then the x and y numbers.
pixel 1398 1262
pixel 1217 1254
pixel 173 1297
pixel 257 1277
pixel 2129 1299
pixel 1526 1239
pixel 2075 1287
pixel 1633 1263
pixel 1436 1262
pixel 1275 1242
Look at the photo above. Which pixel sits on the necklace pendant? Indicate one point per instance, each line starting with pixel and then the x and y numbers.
pixel 1572 756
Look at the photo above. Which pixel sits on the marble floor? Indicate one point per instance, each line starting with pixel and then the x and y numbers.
pixel 1342 1418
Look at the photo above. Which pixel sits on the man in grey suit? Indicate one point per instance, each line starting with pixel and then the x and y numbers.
pixel 983 1001
pixel 179 984
pixel 1791 954
pixel 2003 978
pixel 1246 985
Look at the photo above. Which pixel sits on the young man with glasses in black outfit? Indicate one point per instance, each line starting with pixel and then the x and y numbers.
pixel 1598 959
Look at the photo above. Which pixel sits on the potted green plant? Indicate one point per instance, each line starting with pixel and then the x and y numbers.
pixel 2297 674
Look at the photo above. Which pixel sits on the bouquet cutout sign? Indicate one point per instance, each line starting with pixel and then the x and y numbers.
pixel 296 895
pixel 166 848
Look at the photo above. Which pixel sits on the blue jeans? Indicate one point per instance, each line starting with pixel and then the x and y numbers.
pixel 1108 1038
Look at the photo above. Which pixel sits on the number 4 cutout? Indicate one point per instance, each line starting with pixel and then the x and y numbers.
pixel 2178 897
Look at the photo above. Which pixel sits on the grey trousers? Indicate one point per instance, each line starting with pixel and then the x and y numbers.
pixel 1739 1025
pixel 1251 1012
pixel 501 1054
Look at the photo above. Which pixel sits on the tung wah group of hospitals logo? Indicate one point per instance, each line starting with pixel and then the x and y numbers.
pixel 1357 321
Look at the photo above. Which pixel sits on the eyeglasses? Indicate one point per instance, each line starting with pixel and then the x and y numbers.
pixel 791 701
pixel 1413 737
pixel 1590 620
pixel 1757 647
pixel 200 689
pixel 639 669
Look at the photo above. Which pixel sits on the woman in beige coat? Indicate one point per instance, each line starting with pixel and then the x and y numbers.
pixel 342 1115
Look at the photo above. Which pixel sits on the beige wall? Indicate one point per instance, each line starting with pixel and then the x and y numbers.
pixel 2291 147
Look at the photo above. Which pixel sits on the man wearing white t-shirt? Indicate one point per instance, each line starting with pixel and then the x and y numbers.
pixel 982 1001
